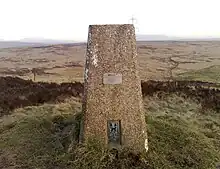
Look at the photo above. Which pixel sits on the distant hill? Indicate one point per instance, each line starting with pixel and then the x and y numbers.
pixel 198 39
pixel 36 42
pixel 11 44
pixel 153 37
pixel 46 41
pixel 32 42
pixel 140 37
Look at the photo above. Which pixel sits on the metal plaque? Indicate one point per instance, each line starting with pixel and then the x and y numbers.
pixel 114 132
pixel 112 78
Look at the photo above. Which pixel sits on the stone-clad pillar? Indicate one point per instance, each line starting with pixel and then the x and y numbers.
pixel 112 105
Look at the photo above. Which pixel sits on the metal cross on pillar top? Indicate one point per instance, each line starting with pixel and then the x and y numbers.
pixel 134 21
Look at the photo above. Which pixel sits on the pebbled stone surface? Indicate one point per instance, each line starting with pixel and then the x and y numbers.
pixel 112 49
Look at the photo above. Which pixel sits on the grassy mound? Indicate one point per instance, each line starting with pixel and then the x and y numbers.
pixel 44 137
pixel 181 136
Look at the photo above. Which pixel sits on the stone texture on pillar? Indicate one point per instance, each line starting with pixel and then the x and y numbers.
pixel 112 88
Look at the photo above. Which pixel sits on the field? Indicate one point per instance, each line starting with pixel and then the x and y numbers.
pixel 157 61
pixel 39 121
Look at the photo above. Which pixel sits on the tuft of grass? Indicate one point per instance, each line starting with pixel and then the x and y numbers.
pixel 45 137
pixel 210 74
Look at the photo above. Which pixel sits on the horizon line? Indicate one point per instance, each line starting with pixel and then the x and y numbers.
pixel 29 39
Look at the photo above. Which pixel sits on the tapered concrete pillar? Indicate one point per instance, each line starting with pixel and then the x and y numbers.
pixel 112 105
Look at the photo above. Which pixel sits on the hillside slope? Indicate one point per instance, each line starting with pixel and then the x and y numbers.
pixel 180 136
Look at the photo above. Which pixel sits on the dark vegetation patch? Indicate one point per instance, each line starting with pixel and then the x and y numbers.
pixel 206 93
pixel 16 92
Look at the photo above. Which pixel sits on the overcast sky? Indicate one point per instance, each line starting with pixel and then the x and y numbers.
pixel 69 19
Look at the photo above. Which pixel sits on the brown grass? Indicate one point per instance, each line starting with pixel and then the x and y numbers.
pixel 157 60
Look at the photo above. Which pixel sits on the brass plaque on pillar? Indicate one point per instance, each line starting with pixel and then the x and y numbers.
pixel 112 78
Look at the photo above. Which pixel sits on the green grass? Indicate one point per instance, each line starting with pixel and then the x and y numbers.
pixel 44 137
pixel 210 74
pixel 181 136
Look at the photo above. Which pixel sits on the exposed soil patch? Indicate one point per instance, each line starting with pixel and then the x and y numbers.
pixel 72 64
pixel 40 60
